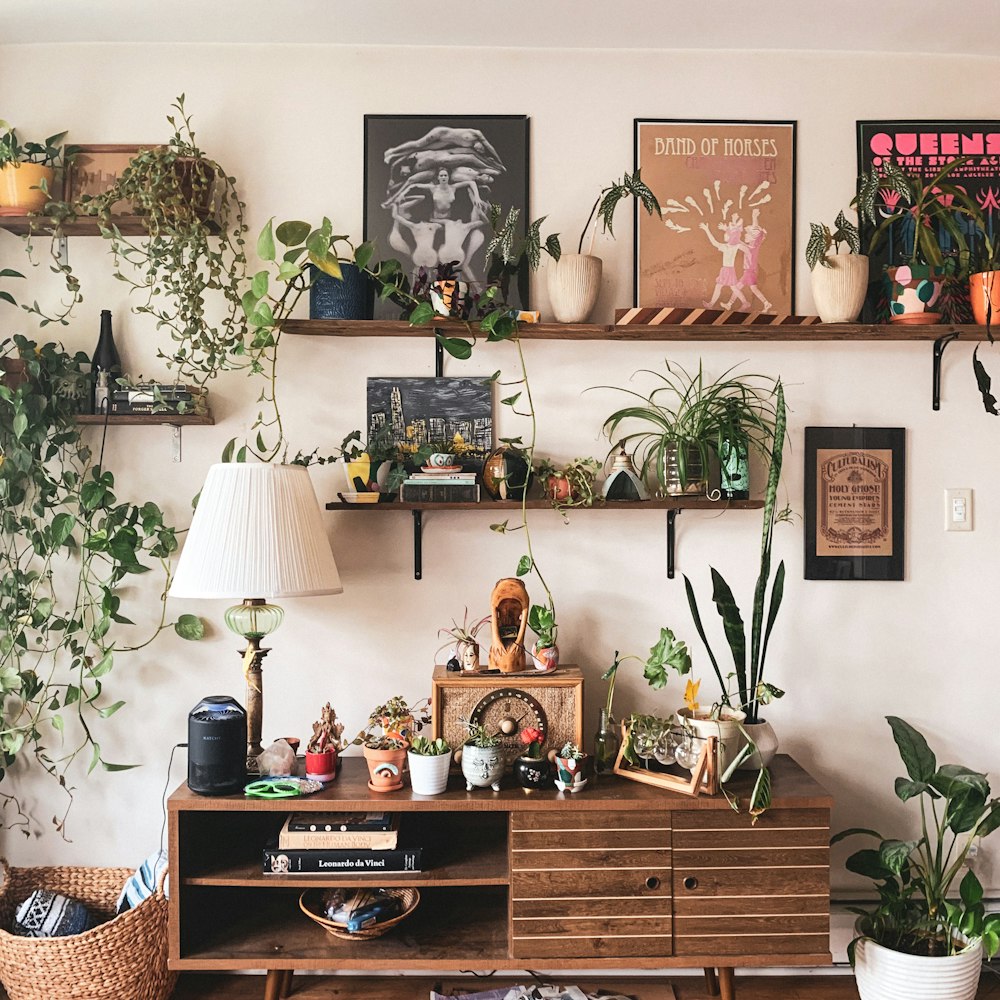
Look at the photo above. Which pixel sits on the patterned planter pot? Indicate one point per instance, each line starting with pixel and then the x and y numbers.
pixel 913 291
pixel 482 767
pixel 352 297
pixel 385 769
pixel 571 773
pixel 532 773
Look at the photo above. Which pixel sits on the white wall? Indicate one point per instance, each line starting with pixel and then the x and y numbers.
pixel 288 122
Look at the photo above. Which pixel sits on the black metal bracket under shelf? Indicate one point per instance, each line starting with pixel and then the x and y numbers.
pixel 671 539
pixel 939 345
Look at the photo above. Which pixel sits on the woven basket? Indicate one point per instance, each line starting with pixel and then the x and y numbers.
pixel 310 904
pixel 122 959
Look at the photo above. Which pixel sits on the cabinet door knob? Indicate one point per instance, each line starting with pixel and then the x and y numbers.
pixel 690 882
pixel 652 882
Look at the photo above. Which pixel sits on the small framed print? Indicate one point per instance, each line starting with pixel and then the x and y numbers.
pixel 96 168
pixel 855 503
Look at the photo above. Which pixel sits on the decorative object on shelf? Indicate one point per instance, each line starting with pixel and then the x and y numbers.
pixel 257 529
pixel 569 484
pixel 571 765
pixel 429 182
pixel 707 317
pixel 734 461
pixel 984 291
pixel 371 916
pixel 464 639
pixel 509 608
pixel 324 746
pixel 429 762
pixel 605 744
pixel 839 281
pixel 921 942
pixel 278 761
pixel 507 474
pixel 351 296
pixel 700 760
pixel 482 758
pixel 855 503
pixel 623 482
pixel 28 169
pixel 217 739
pixel 385 752
pixel 544 651
pixel 105 366
pixel 727 197
pixel 531 768
pixel 96 169
pixel 574 279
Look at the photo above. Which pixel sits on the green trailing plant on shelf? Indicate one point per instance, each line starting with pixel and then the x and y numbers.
pixel 392 725
pixel 569 484
pixel 50 152
pixel 822 240
pixel 69 551
pixel 512 257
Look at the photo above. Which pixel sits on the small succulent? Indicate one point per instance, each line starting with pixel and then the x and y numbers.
pixel 570 751
pixel 424 747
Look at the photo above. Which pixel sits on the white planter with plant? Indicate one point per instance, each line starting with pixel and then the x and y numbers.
pixel 482 759
pixel 722 722
pixel 429 761
pixel 839 280
pixel 922 941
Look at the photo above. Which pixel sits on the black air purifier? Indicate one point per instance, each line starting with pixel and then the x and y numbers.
pixel 217 746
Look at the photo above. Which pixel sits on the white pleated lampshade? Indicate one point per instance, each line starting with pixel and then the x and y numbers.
pixel 257 532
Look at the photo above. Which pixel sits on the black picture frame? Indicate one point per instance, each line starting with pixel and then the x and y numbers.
pixel 666 179
pixel 487 157
pixel 855 503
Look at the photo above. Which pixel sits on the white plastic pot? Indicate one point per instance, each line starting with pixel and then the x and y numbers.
pixel 883 974
pixel 428 775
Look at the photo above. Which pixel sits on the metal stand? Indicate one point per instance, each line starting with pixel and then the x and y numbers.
pixel 939 345
pixel 438 357
pixel 671 539
pixel 418 554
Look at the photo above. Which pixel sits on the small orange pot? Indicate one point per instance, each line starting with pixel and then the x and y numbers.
pixel 984 288
pixel 558 488
pixel 18 184
pixel 385 769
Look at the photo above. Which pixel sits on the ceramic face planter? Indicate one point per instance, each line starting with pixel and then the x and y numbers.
pixel 483 767
pixel 468 654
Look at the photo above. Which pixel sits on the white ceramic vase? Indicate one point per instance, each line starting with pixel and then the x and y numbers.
pixel 726 730
pixel 428 775
pixel 883 974
pixel 839 290
pixel 574 285
pixel 766 741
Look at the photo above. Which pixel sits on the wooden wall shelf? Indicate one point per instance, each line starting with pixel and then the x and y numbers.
pixel 28 225
pixel 147 419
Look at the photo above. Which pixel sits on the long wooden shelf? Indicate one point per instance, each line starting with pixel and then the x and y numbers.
pixel 30 225
pixel 147 419
pixel 860 332
pixel 678 503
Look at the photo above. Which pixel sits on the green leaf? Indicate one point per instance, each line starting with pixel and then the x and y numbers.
pixel 456 347
pixel 106 713
pixel 906 789
pixel 190 627
pixel 971 889
pixel 422 314
pixel 991 821
pixel 95 758
pixel 57 723
pixel 103 665
pixel 501 527
pixel 511 400
pixel 117 767
pixel 291 234
pixel 868 863
pixel 895 854
pixel 265 243
pixel 20 424
pixel 259 285
pixel 917 757
pixel 853 832
pixel 62 528
pixel 524 565
pixel 328 264
pixel 364 254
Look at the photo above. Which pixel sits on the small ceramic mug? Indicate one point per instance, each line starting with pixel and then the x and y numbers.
pixel 439 460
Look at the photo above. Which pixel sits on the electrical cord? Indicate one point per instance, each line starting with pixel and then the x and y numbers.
pixel 166 788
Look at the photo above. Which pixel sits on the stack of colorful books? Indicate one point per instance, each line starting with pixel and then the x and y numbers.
pixel 445 485
pixel 328 843
pixel 154 397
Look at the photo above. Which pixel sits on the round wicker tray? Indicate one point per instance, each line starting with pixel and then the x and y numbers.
pixel 309 903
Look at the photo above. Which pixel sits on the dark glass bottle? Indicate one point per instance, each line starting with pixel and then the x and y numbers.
pixel 105 365
pixel 605 745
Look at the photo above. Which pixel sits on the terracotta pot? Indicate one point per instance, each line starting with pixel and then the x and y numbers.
pixel 428 775
pixel 984 289
pixel 385 769
pixel 321 766
pixel 15 372
pixel 839 290
pixel 17 181
pixel 884 974
pixel 574 286
pixel 913 291
pixel 558 488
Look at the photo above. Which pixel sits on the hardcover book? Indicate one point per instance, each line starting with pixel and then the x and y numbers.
pixel 345 822
pixel 328 836
pixel 332 862
pixel 423 492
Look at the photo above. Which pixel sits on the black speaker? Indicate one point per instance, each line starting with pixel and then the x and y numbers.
pixel 217 746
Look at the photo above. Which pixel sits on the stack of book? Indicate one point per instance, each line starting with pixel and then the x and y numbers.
pixel 328 843
pixel 154 397
pixel 440 487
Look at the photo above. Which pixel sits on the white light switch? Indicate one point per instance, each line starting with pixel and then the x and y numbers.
pixel 958 510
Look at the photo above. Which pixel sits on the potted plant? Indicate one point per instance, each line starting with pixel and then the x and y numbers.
pixel 464 639
pixel 570 484
pixel 571 764
pixel 324 746
pixel 509 257
pixel 482 758
pixel 429 761
pixel 531 768
pixel 372 467
pixel 544 651
pixel 689 418
pixel 27 170
pixel 839 280
pixel 921 941
pixel 575 278
pixel 891 199
pixel 385 740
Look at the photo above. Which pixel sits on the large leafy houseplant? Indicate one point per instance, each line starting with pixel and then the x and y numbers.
pixel 918 912
pixel 68 549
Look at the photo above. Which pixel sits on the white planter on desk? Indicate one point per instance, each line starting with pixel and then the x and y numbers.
pixel 428 775
pixel 884 974
pixel 574 285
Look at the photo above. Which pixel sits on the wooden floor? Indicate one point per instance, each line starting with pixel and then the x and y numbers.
pixel 203 987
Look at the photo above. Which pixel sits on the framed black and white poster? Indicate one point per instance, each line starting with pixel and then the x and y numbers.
pixel 855 503
pixel 429 183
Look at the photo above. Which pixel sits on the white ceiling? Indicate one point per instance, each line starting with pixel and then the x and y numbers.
pixel 967 28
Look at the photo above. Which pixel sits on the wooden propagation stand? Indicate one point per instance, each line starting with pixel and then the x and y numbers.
pixel 620 876
pixel 704 777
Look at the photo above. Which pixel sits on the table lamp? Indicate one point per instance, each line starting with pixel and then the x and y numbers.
pixel 257 530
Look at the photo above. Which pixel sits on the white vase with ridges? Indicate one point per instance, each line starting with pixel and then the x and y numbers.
pixel 839 290
pixel 884 974
pixel 574 285
pixel 726 729
pixel 429 774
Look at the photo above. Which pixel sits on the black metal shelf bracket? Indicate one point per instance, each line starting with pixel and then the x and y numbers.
pixel 418 546
pixel 939 345
pixel 438 356
pixel 671 538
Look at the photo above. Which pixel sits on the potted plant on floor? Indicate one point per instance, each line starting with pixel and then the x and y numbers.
pixel 429 761
pixel 482 758
pixel 574 280
pixel 28 169
pixel 324 746
pixel 839 280
pixel 922 941
pixel 464 640
pixel 386 738
pixel 686 419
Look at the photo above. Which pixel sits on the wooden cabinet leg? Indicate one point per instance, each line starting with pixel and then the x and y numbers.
pixel 727 984
pixel 286 984
pixel 272 985
pixel 711 983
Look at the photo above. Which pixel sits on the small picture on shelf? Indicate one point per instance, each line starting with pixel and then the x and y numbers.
pixel 95 169
pixel 456 413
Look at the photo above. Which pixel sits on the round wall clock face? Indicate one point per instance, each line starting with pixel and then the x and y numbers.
pixel 507 711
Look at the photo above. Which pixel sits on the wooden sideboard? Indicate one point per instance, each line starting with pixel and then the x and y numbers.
pixel 619 876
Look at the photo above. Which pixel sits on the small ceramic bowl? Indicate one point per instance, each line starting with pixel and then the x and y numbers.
pixel 440 459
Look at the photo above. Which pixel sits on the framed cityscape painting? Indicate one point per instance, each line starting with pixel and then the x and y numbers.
pixel 726 235
pixel 855 503
pixel 429 183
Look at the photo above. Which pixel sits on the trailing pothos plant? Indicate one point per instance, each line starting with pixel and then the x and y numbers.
pixel 68 548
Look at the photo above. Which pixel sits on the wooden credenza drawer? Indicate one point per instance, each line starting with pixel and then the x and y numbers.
pixel 590 885
pixel 742 888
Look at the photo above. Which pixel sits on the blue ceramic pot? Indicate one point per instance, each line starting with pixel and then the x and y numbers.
pixel 353 297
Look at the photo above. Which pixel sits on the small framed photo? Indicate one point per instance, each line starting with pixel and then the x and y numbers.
pixel 429 183
pixel 726 235
pixel 96 168
pixel 855 503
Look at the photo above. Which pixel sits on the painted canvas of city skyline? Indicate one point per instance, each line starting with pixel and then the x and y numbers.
pixel 419 410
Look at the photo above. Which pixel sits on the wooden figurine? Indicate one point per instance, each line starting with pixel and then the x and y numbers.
pixel 508 621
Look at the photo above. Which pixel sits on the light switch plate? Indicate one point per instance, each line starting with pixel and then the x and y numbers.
pixel 957 510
